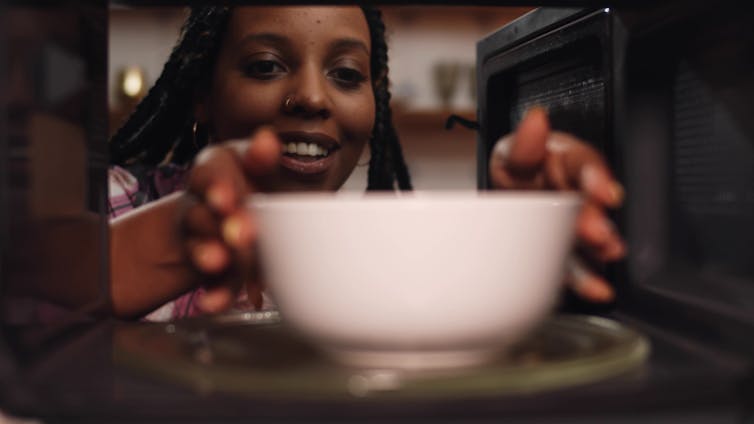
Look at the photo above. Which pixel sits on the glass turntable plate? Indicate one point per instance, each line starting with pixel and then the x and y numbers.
pixel 254 353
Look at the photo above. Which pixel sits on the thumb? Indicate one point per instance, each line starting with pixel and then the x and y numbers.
pixel 529 148
pixel 263 153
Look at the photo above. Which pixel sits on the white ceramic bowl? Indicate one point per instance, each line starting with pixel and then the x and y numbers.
pixel 424 280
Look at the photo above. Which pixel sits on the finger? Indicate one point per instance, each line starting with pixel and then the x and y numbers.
pixel 501 177
pixel 255 287
pixel 597 183
pixel 529 147
pixel 239 230
pixel 238 236
pixel 223 195
pixel 218 177
pixel 216 299
pixel 586 283
pixel 260 154
pixel 597 233
pixel 200 221
pixel 586 169
pixel 254 293
pixel 208 256
pixel 592 226
pixel 612 251
pixel 555 173
pixel 220 172
pixel 263 155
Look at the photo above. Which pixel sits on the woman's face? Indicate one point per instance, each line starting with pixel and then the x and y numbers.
pixel 319 58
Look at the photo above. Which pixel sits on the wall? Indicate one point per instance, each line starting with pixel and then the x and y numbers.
pixel 143 36
pixel 419 37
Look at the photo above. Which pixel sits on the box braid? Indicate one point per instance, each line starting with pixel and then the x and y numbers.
pixel 163 121
pixel 190 65
pixel 386 162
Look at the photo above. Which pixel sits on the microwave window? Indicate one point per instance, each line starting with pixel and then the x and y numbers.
pixel 712 183
pixel 692 162
pixel 570 83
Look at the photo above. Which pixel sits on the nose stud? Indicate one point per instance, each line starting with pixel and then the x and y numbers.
pixel 289 103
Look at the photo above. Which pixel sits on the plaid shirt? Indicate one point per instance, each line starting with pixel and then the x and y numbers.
pixel 131 189
pixel 128 192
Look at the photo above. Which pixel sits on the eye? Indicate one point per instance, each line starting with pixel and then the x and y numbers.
pixel 263 69
pixel 347 77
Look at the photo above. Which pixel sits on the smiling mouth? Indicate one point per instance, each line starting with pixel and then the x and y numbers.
pixel 307 153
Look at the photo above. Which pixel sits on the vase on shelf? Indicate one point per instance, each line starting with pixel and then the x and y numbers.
pixel 445 78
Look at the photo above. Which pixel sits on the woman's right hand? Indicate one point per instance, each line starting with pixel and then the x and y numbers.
pixel 219 232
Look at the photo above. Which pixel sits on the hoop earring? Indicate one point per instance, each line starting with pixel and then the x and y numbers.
pixel 289 103
pixel 193 134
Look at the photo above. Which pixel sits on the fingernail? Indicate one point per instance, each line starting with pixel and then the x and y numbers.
pixel 537 109
pixel 263 129
pixel 218 198
pixel 617 250
pixel 587 284
pixel 599 291
pixel 617 193
pixel 264 134
pixel 234 231
pixel 502 148
pixel 213 301
pixel 603 229
pixel 590 178
pixel 207 256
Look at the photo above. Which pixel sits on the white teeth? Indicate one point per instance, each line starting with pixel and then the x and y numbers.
pixel 305 149
pixel 302 149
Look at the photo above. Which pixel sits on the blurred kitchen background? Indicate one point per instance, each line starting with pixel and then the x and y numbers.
pixel 432 71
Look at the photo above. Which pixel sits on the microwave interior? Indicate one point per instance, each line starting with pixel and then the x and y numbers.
pixel 663 91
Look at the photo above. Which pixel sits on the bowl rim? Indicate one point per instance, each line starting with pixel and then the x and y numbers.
pixel 413 198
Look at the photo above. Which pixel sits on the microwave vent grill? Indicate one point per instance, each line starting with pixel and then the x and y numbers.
pixel 573 93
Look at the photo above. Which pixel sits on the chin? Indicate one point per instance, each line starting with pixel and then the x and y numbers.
pixel 291 182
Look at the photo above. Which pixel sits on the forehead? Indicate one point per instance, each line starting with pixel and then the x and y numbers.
pixel 304 22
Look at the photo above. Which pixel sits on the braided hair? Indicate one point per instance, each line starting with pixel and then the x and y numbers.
pixel 162 128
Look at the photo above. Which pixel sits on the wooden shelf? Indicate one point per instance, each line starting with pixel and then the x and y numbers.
pixel 429 119
pixel 488 17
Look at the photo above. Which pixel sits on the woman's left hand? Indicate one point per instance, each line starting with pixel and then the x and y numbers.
pixel 536 158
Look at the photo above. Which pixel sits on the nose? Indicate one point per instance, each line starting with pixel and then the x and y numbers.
pixel 310 97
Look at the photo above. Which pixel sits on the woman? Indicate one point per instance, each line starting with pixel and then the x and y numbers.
pixel 310 85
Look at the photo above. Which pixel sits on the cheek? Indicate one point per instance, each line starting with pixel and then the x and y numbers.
pixel 358 119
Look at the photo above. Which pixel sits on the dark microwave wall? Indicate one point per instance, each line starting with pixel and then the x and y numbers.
pixel 666 93
pixel 53 160
pixel 690 93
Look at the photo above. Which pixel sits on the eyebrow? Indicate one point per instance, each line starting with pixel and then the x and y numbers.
pixel 280 40
pixel 265 38
pixel 349 44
